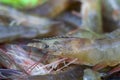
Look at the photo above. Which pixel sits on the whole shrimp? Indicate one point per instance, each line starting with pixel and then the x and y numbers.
pixel 98 53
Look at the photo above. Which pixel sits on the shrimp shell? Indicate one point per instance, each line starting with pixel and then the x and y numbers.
pixel 89 52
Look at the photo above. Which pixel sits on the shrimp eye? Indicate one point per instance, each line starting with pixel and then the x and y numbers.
pixel 43 45
pixel 46 46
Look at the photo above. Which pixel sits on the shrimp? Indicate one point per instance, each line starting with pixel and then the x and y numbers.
pixel 21 18
pixel 10 33
pixel 18 59
pixel 91 15
pixel 98 53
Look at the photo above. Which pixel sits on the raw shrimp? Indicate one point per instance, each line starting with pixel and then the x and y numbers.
pixel 9 33
pixel 91 15
pixel 89 52
pixel 23 19
pixel 17 58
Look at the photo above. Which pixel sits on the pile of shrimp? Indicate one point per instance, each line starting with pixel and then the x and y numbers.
pixel 60 39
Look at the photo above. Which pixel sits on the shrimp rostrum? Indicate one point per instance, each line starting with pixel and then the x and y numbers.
pixel 98 53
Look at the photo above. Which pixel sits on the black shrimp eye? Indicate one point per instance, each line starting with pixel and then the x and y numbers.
pixel 46 46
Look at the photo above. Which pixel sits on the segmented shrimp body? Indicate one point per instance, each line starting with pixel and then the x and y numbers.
pixel 88 52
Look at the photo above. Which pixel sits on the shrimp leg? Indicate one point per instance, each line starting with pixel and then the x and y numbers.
pixel 114 70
